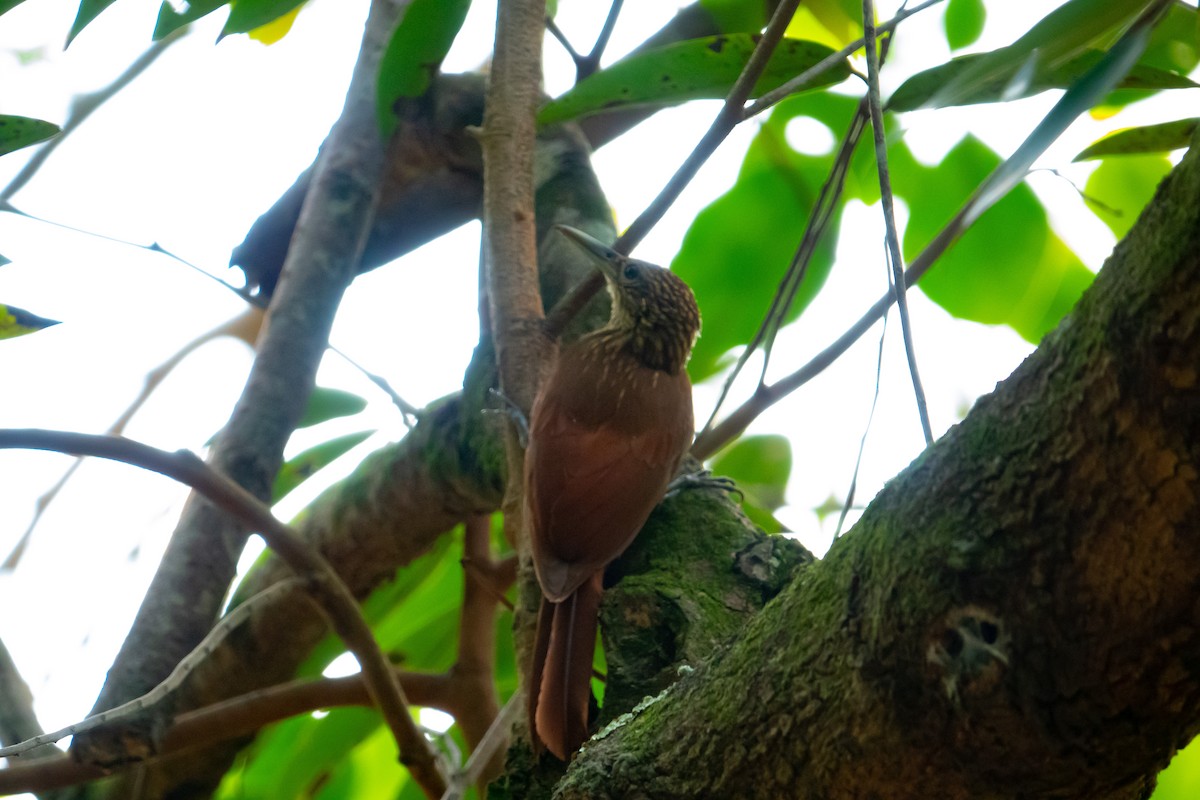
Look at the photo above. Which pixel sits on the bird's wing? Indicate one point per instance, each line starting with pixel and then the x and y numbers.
pixel 591 489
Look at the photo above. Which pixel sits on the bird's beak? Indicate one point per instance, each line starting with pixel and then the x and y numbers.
pixel 606 259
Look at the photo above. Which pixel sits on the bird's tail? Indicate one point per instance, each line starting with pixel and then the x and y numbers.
pixel 561 684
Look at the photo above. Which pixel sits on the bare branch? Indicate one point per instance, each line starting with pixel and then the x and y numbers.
pixel 895 259
pixel 17 718
pixel 1082 95
pixel 727 118
pixel 83 105
pixel 172 682
pixel 323 582
pixel 508 140
pixel 328 241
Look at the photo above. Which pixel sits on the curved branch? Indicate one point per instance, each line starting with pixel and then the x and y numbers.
pixel 184 600
pixel 1012 614
pixel 325 586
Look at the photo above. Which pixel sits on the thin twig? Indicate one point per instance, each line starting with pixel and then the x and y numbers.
pixel 322 581
pixel 1081 96
pixel 896 259
pixel 473 674
pixel 727 118
pixel 590 62
pixel 862 444
pixel 83 105
pixel 768 99
pixel 17 718
pixel 335 219
pixel 562 39
pixel 233 718
pixel 490 747
pixel 169 684
pixel 789 286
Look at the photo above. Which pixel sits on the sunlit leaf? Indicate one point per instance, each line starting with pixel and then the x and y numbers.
pixel 964 22
pixel 276 29
pixel 436 574
pixel 689 70
pixel 1161 138
pixel 299 469
pixel 325 404
pixel 926 87
pixel 18 132
pixel 415 53
pixel 294 757
pixel 1120 188
pixel 761 466
pixel 370 769
pixel 170 20
pixel 1009 268
pixel 737 249
pixel 1061 35
pixel 835 23
pixel 246 15
pixel 1174 44
pixel 1181 779
pixel 16 322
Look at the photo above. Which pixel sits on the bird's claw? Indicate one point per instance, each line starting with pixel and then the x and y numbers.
pixel 703 479
pixel 513 412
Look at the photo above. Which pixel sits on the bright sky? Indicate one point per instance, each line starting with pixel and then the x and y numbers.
pixel 196 148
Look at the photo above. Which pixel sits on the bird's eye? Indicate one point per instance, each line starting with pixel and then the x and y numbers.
pixel 631 272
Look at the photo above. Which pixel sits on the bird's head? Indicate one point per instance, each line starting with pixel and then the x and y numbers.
pixel 651 305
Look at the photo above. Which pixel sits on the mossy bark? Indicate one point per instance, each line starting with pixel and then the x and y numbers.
pixel 1014 615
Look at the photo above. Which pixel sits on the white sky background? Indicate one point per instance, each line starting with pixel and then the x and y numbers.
pixel 194 150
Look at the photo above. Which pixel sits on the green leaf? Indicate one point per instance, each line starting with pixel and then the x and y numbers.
pixel 415 53
pixel 299 469
pixel 18 132
pixel 1009 267
pixel 1174 45
pixel 1181 779
pixel 16 322
pixel 925 88
pixel 246 15
pixel 369 770
pixel 964 22
pixel 9 5
pixel 1060 36
pixel 1161 138
pixel 170 20
pixel 435 575
pixel 761 466
pixel 1120 188
pixel 294 757
pixel 88 11
pixel 325 404
pixel 689 70
pixel 737 16
pixel 737 249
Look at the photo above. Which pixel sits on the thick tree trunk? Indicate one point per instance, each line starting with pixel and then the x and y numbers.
pixel 1015 614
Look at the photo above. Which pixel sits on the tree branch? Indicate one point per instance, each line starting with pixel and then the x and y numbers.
pixel 1013 613
pixel 321 580
pixel 183 600
pixel 727 118
pixel 1081 96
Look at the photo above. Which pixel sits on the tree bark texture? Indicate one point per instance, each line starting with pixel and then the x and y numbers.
pixel 1014 615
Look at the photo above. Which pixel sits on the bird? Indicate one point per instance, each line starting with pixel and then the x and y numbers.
pixel 608 429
